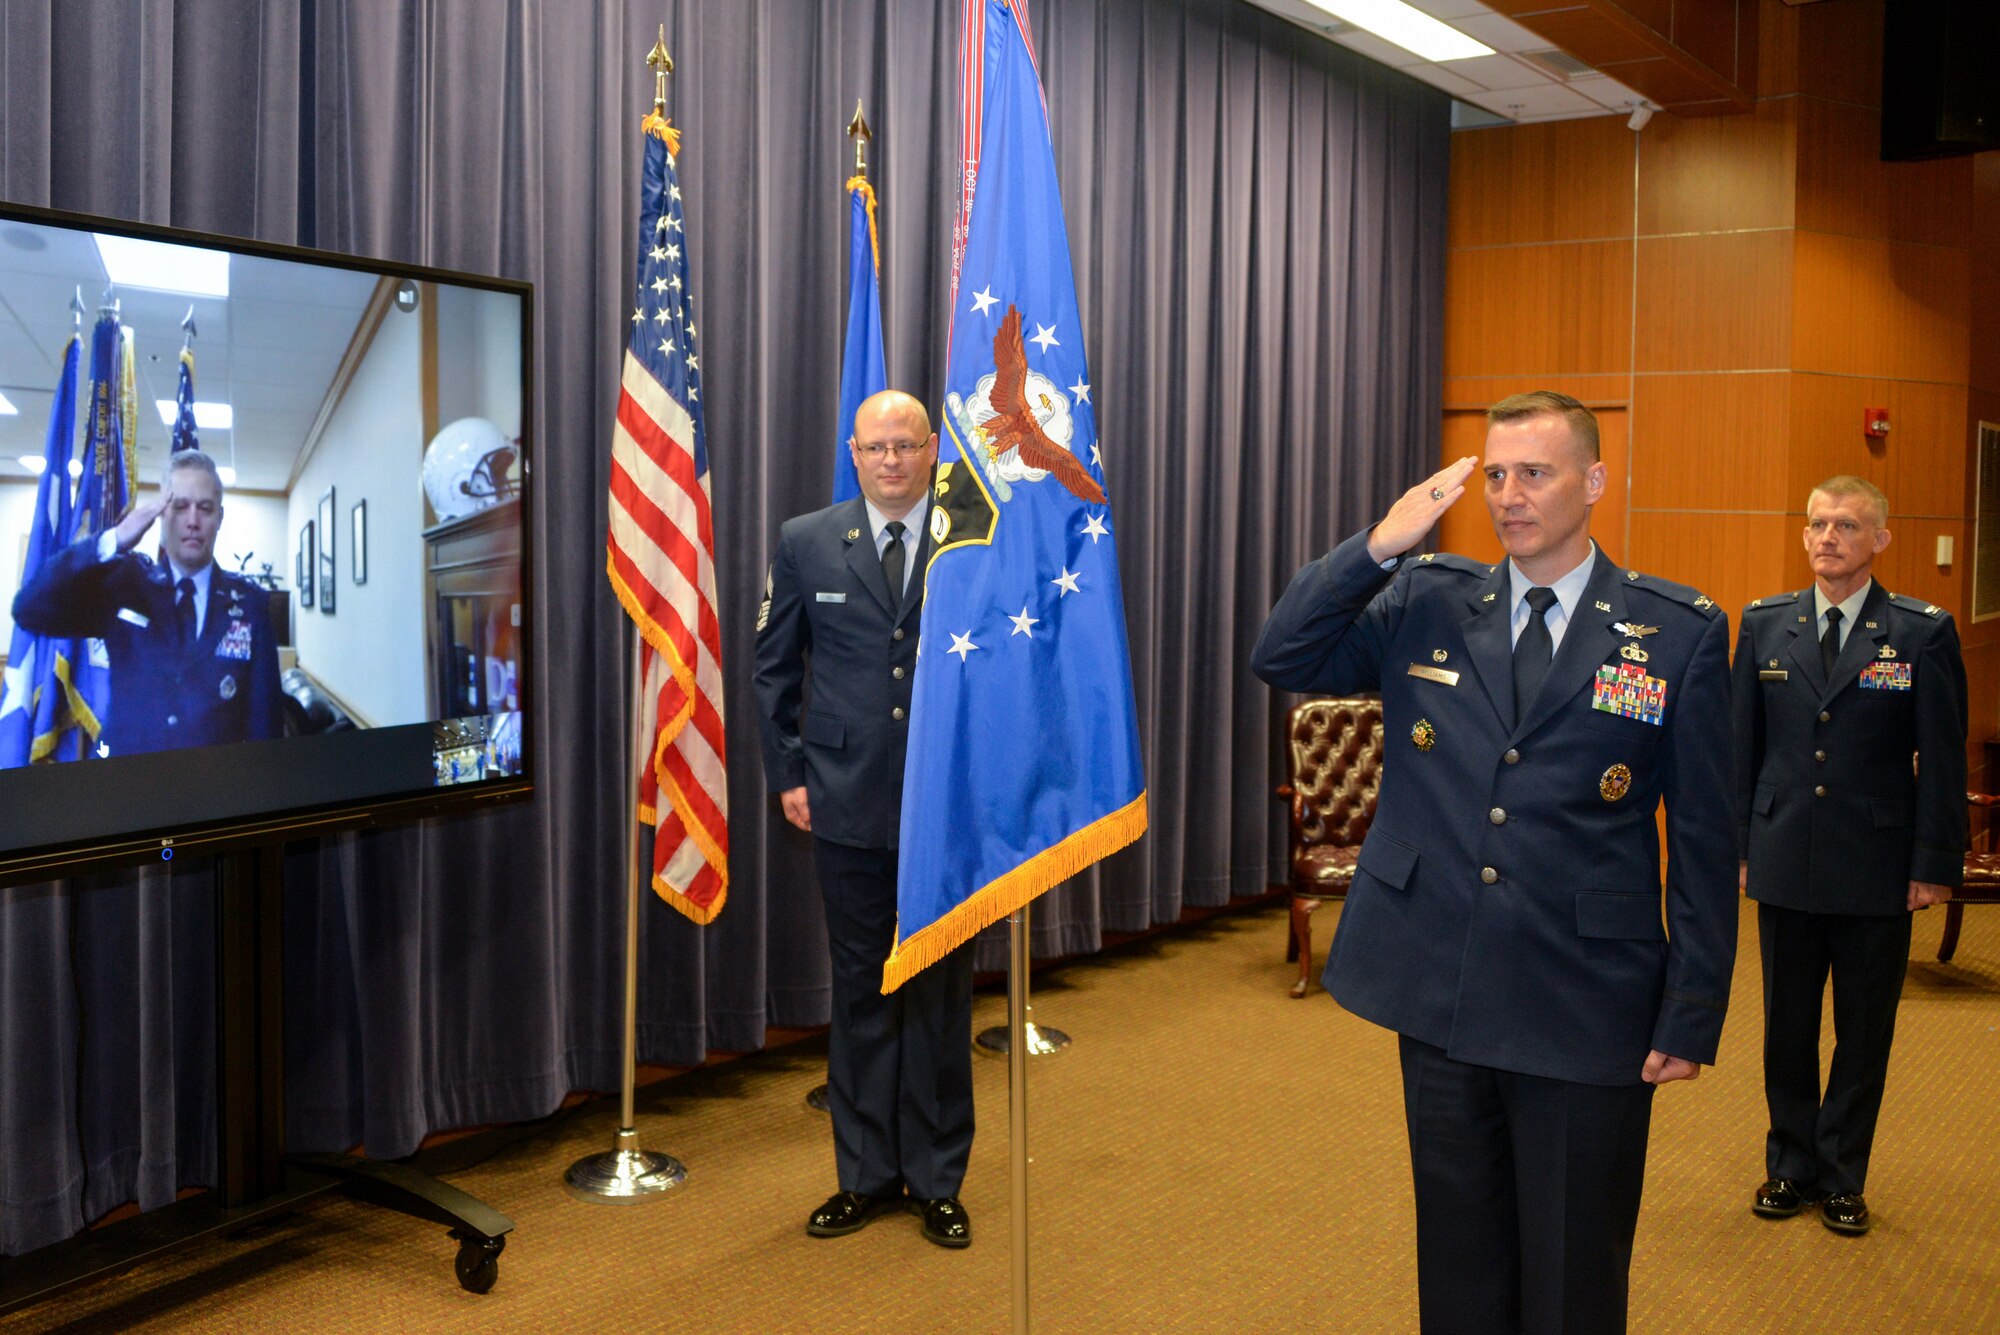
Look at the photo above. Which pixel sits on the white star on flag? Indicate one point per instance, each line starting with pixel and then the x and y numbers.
pixel 984 300
pixel 658 285
pixel 674 224
pixel 694 363
pixel 666 346
pixel 661 225
pixel 1093 527
pixel 673 252
pixel 674 193
pixel 1023 621
pixel 1045 335
pixel 638 316
pixel 1066 582
pixel 676 283
pixel 1081 390
pixel 1096 456
pixel 661 316
pixel 657 254
pixel 961 645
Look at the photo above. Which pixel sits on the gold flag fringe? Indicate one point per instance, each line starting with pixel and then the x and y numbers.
pixel 663 129
pixel 995 900
pixel 860 183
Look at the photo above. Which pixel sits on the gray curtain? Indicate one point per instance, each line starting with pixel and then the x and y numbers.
pixel 1257 219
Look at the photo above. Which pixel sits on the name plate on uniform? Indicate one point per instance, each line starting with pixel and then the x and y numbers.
pixel 830 597
pixel 1773 674
pixel 1883 676
pixel 1442 676
pixel 1626 690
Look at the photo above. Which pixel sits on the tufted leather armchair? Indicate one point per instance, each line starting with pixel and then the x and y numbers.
pixel 1982 881
pixel 1335 771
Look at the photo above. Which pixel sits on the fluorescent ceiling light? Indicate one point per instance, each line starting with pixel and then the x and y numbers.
pixel 207 416
pixel 1411 29
pixel 157 264
pixel 35 464
pixel 227 474
pixel 7 408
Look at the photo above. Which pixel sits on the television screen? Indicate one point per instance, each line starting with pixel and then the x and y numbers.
pixel 263 539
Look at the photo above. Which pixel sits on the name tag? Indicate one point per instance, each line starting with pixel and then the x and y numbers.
pixel 831 597
pixel 1885 677
pixel 132 618
pixel 1773 674
pixel 235 643
pixel 1442 676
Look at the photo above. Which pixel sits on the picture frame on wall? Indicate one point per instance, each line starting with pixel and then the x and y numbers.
pixel 357 537
pixel 307 558
pixel 329 568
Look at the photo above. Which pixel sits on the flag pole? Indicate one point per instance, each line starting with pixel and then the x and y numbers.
pixel 1017 1109
pixel 1042 1041
pixel 625 1174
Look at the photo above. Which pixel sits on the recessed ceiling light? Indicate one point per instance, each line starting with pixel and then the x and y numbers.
pixel 35 464
pixel 227 474
pixel 7 408
pixel 129 262
pixel 207 416
pixel 1411 29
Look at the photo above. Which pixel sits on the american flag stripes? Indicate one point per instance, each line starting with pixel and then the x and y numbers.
pixel 661 554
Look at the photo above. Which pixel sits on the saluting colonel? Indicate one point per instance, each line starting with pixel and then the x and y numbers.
pixel 1850 746
pixel 193 659
pixel 1506 918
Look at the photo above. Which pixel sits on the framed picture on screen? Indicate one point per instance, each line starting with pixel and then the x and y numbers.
pixel 329 569
pixel 303 573
pixel 357 539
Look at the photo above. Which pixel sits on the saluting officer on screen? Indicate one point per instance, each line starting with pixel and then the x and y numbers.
pixel 193 660
pixel 1850 750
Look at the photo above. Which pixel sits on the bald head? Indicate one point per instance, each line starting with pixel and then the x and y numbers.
pixel 895 405
pixel 893 448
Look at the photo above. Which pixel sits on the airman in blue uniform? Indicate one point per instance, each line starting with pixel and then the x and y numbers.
pixel 1506 918
pixel 193 658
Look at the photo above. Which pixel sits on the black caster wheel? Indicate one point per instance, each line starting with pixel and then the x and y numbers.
pixel 478 1261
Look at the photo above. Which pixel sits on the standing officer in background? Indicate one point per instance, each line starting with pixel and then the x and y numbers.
pixel 193 658
pixel 1850 745
pixel 1506 916
pixel 843 596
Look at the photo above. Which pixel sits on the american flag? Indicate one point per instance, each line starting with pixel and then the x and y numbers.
pixel 661 554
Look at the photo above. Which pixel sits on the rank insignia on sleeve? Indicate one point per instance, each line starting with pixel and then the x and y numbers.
pixel 1629 693
pixel 1880 676
pixel 1423 735
pixel 1615 783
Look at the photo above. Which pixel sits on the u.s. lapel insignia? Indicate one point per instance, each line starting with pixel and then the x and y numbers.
pixel 1603 606
pixel 1634 629
pixel 1615 783
pixel 1887 652
pixel 1423 735
pixel 1868 625
pixel 1439 655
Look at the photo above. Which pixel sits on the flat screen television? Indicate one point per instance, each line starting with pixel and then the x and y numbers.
pixel 264 542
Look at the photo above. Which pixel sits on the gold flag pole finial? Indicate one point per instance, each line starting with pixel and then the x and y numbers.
pixel 662 65
pixel 858 131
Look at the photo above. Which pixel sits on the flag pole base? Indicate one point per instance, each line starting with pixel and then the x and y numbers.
pixel 817 1101
pixel 1042 1041
pixel 626 1175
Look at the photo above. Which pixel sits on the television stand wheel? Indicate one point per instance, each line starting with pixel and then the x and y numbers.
pixel 478 1261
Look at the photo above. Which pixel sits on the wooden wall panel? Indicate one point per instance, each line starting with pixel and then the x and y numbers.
pixel 1718 174
pixel 1710 442
pixel 1777 51
pixel 1922 463
pixel 1840 50
pixel 1520 310
pixel 1715 303
pixel 1557 181
pixel 1844 186
pixel 1910 567
pixel 1730 557
pixel 1881 308
pixel 1984 371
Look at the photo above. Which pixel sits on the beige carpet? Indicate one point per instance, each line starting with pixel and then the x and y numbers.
pixel 1210 1156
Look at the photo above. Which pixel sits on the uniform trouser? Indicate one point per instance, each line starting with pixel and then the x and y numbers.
pixel 899 1067
pixel 1823 1143
pixel 1527 1196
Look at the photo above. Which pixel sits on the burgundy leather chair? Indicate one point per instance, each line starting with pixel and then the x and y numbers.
pixel 1335 772
pixel 1982 879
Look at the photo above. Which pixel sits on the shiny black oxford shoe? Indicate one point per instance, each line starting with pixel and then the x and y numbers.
pixel 1846 1213
pixel 945 1221
pixel 848 1212
pixel 1780 1198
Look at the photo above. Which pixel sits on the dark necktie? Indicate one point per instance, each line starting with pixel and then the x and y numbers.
pixel 1533 651
pixel 184 610
pixel 1829 643
pixel 892 563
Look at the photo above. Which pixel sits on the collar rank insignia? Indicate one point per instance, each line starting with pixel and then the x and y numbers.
pixel 1602 606
pixel 1428 556
pixel 1487 599
pixel 1634 629
pixel 1869 625
pixel 1704 602
pixel 1887 652
pixel 1932 609
pixel 1756 602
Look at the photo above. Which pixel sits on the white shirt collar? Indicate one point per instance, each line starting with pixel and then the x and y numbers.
pixel 1850 606
pixel 914 521
pixel 202 577
pixel 1568 588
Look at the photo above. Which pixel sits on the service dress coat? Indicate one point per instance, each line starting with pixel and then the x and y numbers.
pixel 1508 904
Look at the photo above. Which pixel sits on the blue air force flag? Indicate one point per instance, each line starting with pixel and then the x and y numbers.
pixel 33 710
pixel 1024 748
pixel 863 369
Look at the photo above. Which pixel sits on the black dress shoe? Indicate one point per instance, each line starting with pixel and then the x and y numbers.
pixel 1845 1213
pixel 945 1221
pixel 1780 1198
pixel 847 1212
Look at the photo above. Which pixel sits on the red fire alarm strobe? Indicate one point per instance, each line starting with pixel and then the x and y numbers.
pixel 1875 423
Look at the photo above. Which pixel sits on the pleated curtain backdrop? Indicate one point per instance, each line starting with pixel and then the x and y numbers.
pixel 1257 222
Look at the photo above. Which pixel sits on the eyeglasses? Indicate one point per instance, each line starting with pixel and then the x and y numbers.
pixel 873 453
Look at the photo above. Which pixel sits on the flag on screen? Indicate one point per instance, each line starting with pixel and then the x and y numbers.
pixel 1024 747
pixel 863 369
pixel 103 498
pixel 33 710
pixel 184 432
pixel 661 554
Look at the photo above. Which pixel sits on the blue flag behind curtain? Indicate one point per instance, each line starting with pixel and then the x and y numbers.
pixel 1024 748
pixel 31 709
pixel 863 369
